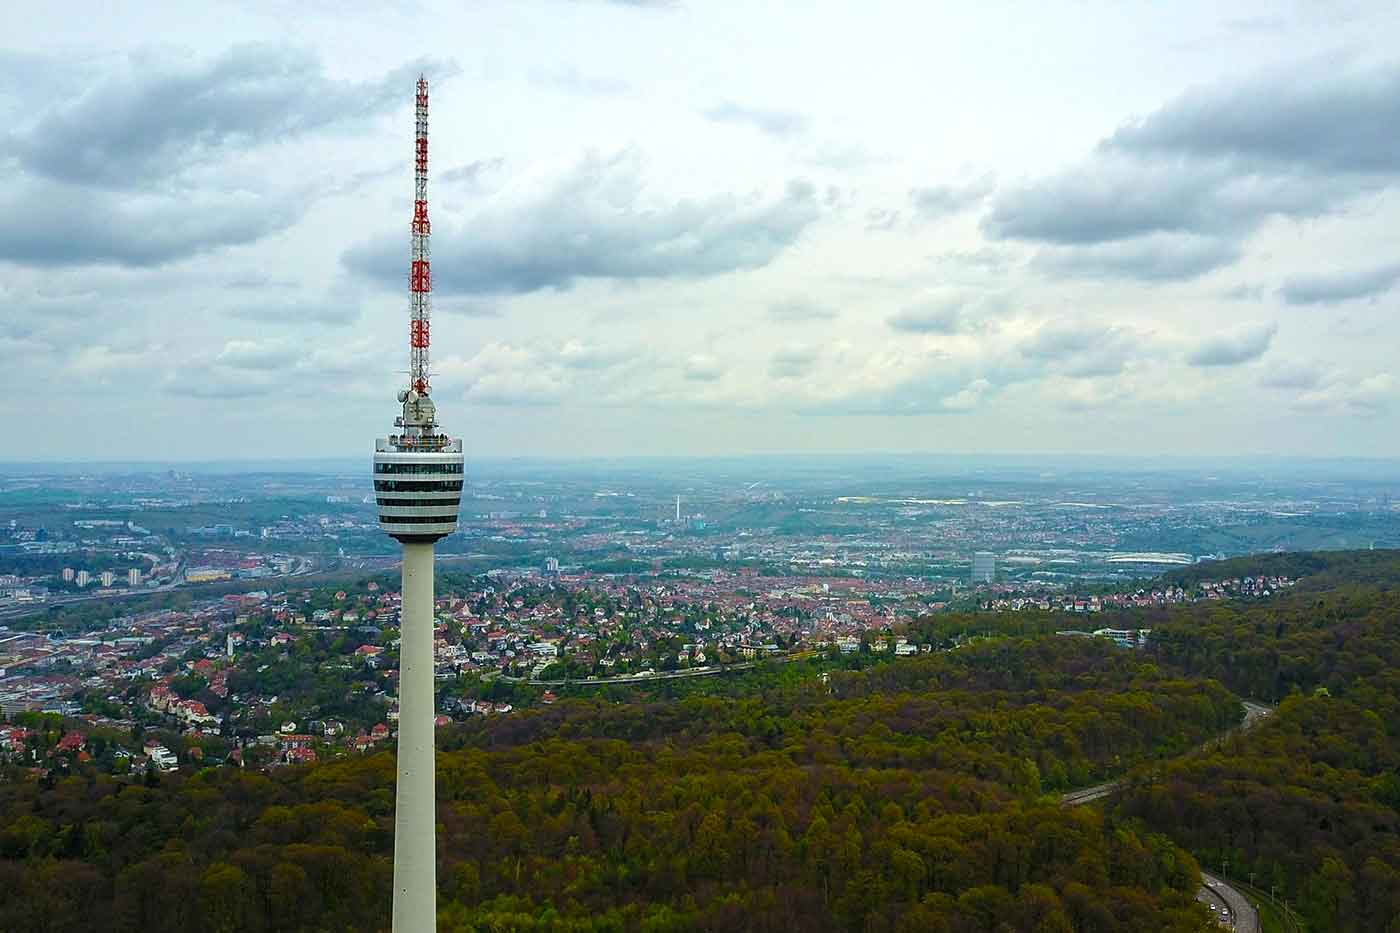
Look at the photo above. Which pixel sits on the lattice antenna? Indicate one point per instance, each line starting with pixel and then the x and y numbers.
pixel 420 276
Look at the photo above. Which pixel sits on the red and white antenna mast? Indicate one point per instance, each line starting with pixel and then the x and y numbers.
pixel 420 276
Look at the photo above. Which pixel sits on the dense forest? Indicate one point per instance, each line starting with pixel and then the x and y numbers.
pixel 1311 802
pixel 909 796
pixel 917 794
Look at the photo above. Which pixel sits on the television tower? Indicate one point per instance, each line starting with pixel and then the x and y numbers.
pixel 418 488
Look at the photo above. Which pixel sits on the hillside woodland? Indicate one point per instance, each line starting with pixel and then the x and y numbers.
pixel 1311 802
pixel 918 794
pixel 915 795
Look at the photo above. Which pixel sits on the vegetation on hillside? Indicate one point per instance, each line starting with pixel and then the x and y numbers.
pixel 917 794
pixel 911 796
pixel 1310 803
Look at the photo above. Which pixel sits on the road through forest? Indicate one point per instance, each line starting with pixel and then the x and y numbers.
pixel 1240 914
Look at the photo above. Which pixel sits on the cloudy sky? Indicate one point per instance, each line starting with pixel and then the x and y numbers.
pixel 704 227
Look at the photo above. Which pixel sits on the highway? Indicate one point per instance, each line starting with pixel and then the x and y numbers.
pixel 1232 907
pixel 1217 905
pixel 1239 913
pixel 1254 713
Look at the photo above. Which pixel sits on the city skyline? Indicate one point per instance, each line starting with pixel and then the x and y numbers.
pixel 667 229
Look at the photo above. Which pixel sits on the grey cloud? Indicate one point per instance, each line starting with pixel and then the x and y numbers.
pixel 161 116
pixel 1233 349
pixel 1356 395
pixel 468 308
pixel 471 174
pixel 26 77
pixel 593 224
pixel 947 315
pixel 1059 339
pixel 252 281
pixel 1340 286
pixel 1243 293
pixel 222 383
pixel 329 310
pixel 1153 258
pixel 34 312
pixel 1320 118
pixel 932 317
pixel 1220 161
pixel 1082 349
pixel 56 225
pixel 772 122
pixel 1291 376
pixel 1117 198
pixel 356 181
pixel 1342 391
pixel 792 362
pixel 943 200
pixel 797 310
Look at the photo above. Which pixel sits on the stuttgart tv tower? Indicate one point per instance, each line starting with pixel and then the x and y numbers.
pixel 418 487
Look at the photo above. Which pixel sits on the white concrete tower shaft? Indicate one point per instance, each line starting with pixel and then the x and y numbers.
pixel 415 817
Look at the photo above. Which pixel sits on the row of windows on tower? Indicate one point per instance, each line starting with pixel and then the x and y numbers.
pixel 419 503
pixel 419 468
pixel 412 485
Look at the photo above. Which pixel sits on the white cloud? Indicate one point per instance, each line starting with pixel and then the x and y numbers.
pixel 679 239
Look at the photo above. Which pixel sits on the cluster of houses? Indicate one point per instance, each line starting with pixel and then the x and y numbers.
pixel 1234 588
pixel 16 746
pixel 190 712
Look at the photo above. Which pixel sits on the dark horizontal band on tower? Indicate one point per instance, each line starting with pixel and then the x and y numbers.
pixel 419 503
pixel 417 485
pixel 420 469
pixel 418 519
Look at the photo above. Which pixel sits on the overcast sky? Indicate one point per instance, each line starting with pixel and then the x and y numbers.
pixel 704 227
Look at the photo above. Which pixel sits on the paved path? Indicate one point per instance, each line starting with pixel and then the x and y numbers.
pixel 1239 914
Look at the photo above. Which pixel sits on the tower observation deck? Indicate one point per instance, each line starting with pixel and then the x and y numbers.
pixel 417 475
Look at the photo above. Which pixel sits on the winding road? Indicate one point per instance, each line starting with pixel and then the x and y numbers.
pixel 1233 908
pixel 1237 912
